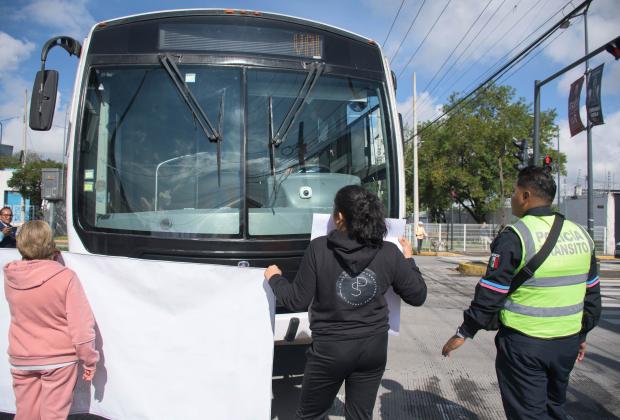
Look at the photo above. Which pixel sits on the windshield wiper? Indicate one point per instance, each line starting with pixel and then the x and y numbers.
pixel 214 135
pixel 313 76
pixel 275 139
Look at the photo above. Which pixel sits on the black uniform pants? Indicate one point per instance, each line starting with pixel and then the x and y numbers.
pixel 533 374
pixel 360 363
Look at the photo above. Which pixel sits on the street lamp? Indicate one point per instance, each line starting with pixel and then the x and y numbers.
pixel 589 166
pixel 612 47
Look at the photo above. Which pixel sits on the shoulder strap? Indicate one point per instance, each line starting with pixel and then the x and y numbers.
pixel 530 268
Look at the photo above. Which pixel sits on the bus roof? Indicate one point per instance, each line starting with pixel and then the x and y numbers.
pixel 234 12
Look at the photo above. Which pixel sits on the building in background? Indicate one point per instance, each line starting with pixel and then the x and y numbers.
pixel 6 150
pixel 14 200
pixel 606 213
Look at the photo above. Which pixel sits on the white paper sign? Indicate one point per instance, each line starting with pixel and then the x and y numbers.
pixel 177 340
pixel 322 224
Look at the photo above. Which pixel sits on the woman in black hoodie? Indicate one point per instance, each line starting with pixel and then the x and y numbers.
pixel 343 278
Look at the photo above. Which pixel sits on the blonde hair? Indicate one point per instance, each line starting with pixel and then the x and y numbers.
pixel 35 242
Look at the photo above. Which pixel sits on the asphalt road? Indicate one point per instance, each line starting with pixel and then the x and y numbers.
pixel 421 384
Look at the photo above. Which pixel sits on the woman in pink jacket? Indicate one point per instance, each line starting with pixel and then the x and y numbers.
pixel 52 326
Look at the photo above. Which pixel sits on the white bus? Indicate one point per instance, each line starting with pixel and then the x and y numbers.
pixel 212 136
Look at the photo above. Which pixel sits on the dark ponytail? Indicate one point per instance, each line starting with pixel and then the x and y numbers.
pixel 364 214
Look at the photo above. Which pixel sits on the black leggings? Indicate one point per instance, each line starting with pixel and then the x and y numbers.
pixel 359 362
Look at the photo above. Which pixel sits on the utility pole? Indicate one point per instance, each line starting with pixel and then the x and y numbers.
pixel 559 168
pixel 25 142
pixel 416 201
pixel 501 188
pixel 536 136
pixel 24 150
pixel 589 131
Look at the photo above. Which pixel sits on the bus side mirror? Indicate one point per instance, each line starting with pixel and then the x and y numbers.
pixel 43 101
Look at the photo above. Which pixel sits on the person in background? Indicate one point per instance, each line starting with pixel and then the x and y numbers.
pixel 544 322
pixel 420 234
pixel 7 232
pixel 52 327
pixel 343 278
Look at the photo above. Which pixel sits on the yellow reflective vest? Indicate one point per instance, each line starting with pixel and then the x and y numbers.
pixel 550 303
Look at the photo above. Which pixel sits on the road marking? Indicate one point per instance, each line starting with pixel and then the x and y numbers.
pixel 610 301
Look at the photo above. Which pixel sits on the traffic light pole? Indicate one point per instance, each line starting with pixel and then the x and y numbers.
pixel 590 168
pixel 538 84
pixel 416 193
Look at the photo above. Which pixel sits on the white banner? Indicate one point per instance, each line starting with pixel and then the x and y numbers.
pixel 322 224
pixel 177 340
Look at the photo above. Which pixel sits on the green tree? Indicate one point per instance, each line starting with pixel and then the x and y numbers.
pixel 10 161
pixel 27 179
pixel 460 156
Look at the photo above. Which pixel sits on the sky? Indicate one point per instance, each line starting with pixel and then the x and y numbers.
pixel 451 45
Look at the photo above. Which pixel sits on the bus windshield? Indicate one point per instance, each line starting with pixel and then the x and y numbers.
pixel 146 164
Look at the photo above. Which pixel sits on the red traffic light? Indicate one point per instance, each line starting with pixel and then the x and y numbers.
pixel 547 160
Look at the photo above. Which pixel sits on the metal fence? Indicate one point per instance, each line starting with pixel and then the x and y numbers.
pixel 22 214
pixel 477 238
pixel 472 238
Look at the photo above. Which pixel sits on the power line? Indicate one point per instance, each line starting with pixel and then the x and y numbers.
pixel 457 46
pixel 424 40
pixel 408 30
pixel 393 22
pixel 506 67
pixel 463 73
pixel 461 55
pixel 505 56
pixel 531 58
pixel 499 61
pixel 428 97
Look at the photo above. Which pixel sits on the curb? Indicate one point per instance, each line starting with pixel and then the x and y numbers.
pixel 472 268
pixel 438 254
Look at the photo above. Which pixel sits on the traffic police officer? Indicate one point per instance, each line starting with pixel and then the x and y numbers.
pixel 543 324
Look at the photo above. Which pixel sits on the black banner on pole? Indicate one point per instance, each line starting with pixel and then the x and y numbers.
pixel 593 102
pixel 574 120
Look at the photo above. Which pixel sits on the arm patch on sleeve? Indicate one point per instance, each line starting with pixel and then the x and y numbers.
pixel 494 262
